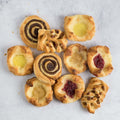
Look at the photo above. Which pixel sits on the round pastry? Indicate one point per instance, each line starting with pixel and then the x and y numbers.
pixel 38 93
pixel 20 60
pixel 51 40
pixel 99 61
pixel 69 88
pixel 79 27
pixel 75 58
pixel 29 30
pixel 48 67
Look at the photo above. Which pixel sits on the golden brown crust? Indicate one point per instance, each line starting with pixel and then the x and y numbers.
pixel 104 52
pixel 61 95
pixel 94 94
pixel 75 58
pixel 24 51
pixel 48 67
pixel 38 93
pixel 29 29
pixel 69 23
pixel 51 40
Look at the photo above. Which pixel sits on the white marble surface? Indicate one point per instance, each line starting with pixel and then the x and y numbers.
pixel 13 104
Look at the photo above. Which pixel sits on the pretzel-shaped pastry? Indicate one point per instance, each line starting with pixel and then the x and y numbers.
pixel 51 40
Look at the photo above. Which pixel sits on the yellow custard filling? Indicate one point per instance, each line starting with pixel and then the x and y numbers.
pixel 39 92
pixel 80 29
pixel 19 61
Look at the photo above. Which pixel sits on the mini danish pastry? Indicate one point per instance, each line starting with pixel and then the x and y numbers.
pixel 48 67
pixel 38 93
pixel 69 88
pixel 79 27
pixel 29 30
pixel 75 58
pixel 94 94
pixel 20 60
pixel 100 61
pixel 51 40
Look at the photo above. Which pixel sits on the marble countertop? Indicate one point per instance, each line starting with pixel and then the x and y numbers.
pixel 13 104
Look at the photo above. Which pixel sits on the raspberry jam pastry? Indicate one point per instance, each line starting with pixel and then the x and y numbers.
pixel 100 61
pixel 69 88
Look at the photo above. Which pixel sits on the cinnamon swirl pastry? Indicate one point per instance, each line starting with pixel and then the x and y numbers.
pixel 48 67
pixel 51 40
pixel 29 30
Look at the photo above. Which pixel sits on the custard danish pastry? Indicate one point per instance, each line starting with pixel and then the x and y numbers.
pixel 20 60
pixel 38 93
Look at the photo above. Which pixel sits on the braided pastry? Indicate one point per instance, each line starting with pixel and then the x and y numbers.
pixel 29 30
pixel 51 40
pixel 94 94
pixel 48 67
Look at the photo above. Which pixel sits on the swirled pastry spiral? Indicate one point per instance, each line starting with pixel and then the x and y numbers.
pixel 38 93
pixel 94 94
pixel 20 60
pixel 48 67
pixel 51 40
pixel 79 27
pixel 29 30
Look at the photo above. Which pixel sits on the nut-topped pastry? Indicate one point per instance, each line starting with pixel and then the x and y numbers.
pixel 79 27
pixel 38 93
pixel 29 29
pixel 100 61
pixel 51 40
pixel 94 94
pixel 20 60
pixel 75 58
pixel 48 67
pixel 69 88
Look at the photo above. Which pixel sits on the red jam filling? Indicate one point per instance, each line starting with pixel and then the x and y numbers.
pixel 69 88
pixel 98 61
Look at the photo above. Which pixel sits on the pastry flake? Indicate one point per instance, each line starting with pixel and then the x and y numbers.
pixel 38 93
pixel 79 27
pixel 69 88
pixel 100 61
pixel 29 30
pixel 94 94
pixel 20 60
pixel 75 58
pixel 51 40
